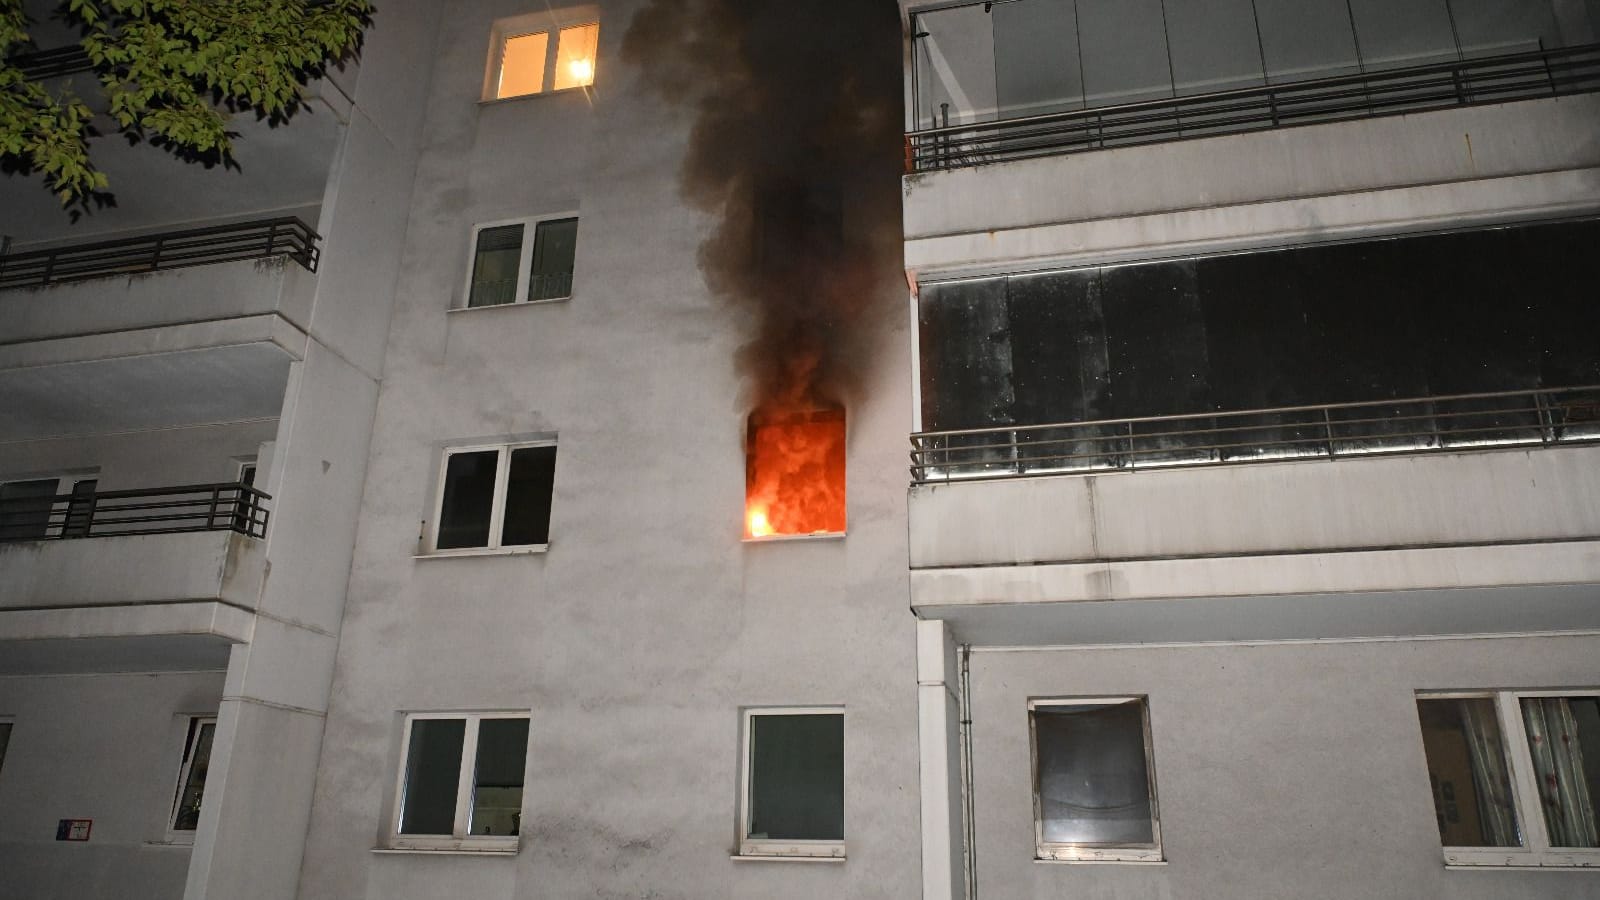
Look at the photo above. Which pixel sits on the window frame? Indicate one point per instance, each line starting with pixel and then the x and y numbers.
pixel 1536 851
pixel 497 509
pixel 191 723
pixel 797 849
pixel 5 747
pixel 550 23
pixel 458 839
pixel 1055 851
pixel 530 236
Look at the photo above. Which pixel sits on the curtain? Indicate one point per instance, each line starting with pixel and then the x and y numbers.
pixel 1481 728
pixel 1558 767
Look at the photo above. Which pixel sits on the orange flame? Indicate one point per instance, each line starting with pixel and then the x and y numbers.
pixel 794 476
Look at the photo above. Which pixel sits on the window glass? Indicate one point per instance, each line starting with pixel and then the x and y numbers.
pixel 80 509
pixel 469 483
pixel 1092 778
pixel 1214 46
pixel 1036 58
pixel 196 762
pixel 494 266
pixel 575 56
pixel 1124 46
pixel 433 770
pixel 797 777
pixel 497 777
pixel 1303 39
pixel 522 65
pixel 1494 27
pixel 1564 740
pixel 5 740
pixel 25 508
pixel 528 490
pixel 555 247
pixel 1467 766
pixel 955 66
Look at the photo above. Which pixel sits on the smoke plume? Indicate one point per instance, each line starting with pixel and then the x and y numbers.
pixel 796 149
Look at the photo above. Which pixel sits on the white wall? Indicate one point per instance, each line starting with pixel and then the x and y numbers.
pixel 101 747
pixel 1290 770
pixel 169 457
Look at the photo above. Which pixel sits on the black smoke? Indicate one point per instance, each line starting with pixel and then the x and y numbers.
pixel 796 149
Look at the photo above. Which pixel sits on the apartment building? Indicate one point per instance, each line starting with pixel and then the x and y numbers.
pixel 1252 524
pixel 499 487
pixel 187 383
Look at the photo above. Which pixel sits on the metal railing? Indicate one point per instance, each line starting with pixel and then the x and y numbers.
pixel 55 63
pixel 1466 82
pixel 164 510
pixel 257 239
pixel 1335 431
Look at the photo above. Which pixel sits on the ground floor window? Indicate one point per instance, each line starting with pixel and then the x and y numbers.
pixel 1094 780
pixel 792 800
pixel 1515 775
pixel 461 780
pixel 198 737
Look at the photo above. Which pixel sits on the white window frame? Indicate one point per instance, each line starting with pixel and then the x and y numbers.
pixel 1536 852
pixel 1064 852
pixel 750 847
pixel 194 721
pixel 458 839
pixel 551 23
pixel 497 511
pixel 530 231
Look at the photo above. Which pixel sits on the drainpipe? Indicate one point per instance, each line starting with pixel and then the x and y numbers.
pixel 969 852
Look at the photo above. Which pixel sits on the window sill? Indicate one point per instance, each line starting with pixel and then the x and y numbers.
pixel 1115 860
pixel 446 851
pixel 529 550
pixel 779 538
pixel 553 92
pixel 757 857
pixel 1489 862
pixel 182 844
pixel 516 304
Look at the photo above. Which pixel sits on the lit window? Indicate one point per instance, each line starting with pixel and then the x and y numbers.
pixel 461 781
pixel 495 497
pixel 1094 782
pixel 524 64
pixel 524 261
pixel 197 742
pixel 793 783
pixel 1515 776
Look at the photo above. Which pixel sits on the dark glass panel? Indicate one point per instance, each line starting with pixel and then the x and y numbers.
pixel 197 756
pixel 1036 58
pixel 555 248
pixel 1124 46
pixel 25 508
pixel 468 499
pixel 1092 775
pixel 433 773
pixel 1304 39
pixel 494 266
pixel 528 491
pixel 966 355
pixel 497 777
pixel 797 777
pixel 1214 46
pixel 1497 27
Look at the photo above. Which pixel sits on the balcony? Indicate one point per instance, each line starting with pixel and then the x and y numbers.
pixel 129 580
pixel 1460 83
pixel 1458 423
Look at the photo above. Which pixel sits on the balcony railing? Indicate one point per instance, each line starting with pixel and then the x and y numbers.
pixel 1467 82
pixel 165 510
pixel 1454 423
pixel 168 250
pixel 55 63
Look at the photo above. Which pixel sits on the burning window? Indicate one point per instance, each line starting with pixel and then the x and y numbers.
pixel 794 474
pixel 522 63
